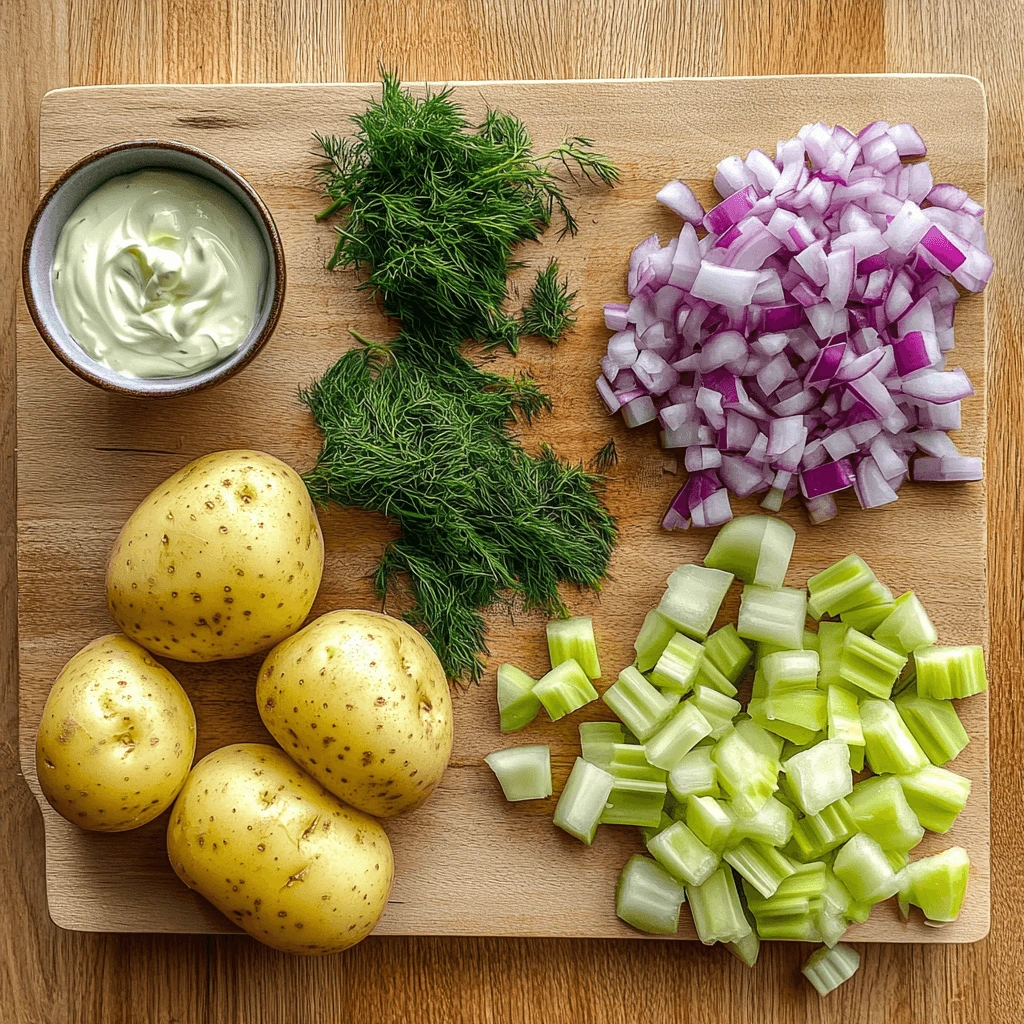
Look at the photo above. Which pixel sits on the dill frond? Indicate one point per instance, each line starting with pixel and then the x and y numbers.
pixel 550 311
pixel 606 457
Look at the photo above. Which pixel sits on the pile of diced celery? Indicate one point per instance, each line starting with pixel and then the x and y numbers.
pixel 754 817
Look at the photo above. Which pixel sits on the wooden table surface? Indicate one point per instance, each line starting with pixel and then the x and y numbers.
pixel 47 975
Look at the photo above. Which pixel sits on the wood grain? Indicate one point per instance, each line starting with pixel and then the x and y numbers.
pixel 49 975
pixel 74 441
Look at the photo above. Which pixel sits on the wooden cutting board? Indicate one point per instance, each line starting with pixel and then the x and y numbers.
pixel 467 862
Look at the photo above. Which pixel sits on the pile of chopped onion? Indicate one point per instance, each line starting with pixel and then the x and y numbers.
pixel 800 345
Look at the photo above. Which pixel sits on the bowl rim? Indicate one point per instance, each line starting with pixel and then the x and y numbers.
pixel 227 368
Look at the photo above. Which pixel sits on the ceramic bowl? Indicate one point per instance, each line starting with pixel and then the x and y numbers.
pixel 63 199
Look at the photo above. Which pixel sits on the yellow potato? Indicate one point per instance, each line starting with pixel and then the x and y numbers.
pixel 222 560
pixel 116 738
pixel 277 854
pixel 361 702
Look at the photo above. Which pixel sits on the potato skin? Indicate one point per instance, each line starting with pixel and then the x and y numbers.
pixel 116 739
pixel 275 853
pixel 222 560
pixel 360 700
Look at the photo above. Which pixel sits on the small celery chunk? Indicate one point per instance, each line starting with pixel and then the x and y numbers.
pixel 881 811
pixel 650 831
pixel 773 616
pixel 819 776
pixel 867 665
pixel 934 724
pixel 564 689
pixel 936 795
pixel 708 675
pixel 862 866
pixel 648 897
pixel 760 864
pixel 810 640
pixel 889 746
pixel 640 705
pixel 598 739
pixel 694 595
pixel 582 802
pixel 844 586
pixel 816 834
pixel 790 928
pixel 746 949
pixel 805 709
pixel 789 670
pixel 746 773
pixel 517 703
pixel 727 652
pixel 844 722
pixel 755 548
pixel 830 646
pixel 695 775
pixel 683 855
pixel 936 884
pixel 574 638
pixel 759 739
pixel 678 665
pixel 898 859
pixel 635 802
pixel 950 672
pixel 798 894
pixel 652 639
pixel 680 733
pixel 868 618
pixel 907 628
pixel 524 772
pixel 828 968
pixel 717 912
pixel 716 707
pixel 773 824
pixel 710 821
pixel 629 761
pixel 758 708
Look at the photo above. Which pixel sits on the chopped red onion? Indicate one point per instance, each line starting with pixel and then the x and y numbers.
pixel 800 345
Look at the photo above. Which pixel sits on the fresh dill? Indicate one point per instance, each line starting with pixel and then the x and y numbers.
pixel 606 457
pixel 550 311
pixel 431 210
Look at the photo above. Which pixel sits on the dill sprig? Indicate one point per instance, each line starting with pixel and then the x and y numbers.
pixel 550 311
pixel 606 457
pixel 431 210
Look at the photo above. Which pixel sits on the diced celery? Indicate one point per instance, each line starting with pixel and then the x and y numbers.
pixel 866 619
pixel 765 650
pixel 846 585
pixel 861 865
pixel 710 821
pixel 907 627
pixel 819 776
pixel 648 897
pixel 683 855
pixel 816 834
pixel 524 772
pixel 828 968
pixel 794 928
pixel 857 757
pixel 678 665
pixel 641 707
pixel 708 675
pixel 934 724
pixel 806 882
pixel 574 638
pixel 635 802
pixel 779 905
pixel 760 739
pixel 597 740
pixel 756 548
pixel 757 709
pixel 650 831
pixel 804 708
pixel 889 746
pixel 810 640
pixel 898 859
pixel 936 884
pixel 867 665
pixel 831 926
pixel 789 670
pixel 835 896
pixel 629 761
pixel 844 718
pixel 774 616
pixel 694 595
pixel 564 689
pixel 746 949
pixel 695 775
pixel 773 824
pixel 760 864
pixel 830 645
pixel 717 912
pixel 758 689
pixel 716 707
pixel 727 652
pixel 677 736
pixel 652 639
pixel 517 703
pixel 881 811
pixel 936 795
pixel 744 772
pixel 582 801
pixel 950 672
